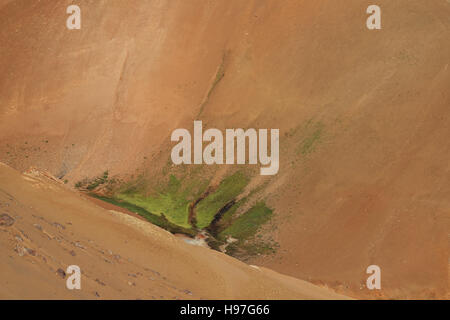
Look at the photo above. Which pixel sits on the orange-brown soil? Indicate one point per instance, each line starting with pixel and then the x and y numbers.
pixel 363 115
pixel 50 227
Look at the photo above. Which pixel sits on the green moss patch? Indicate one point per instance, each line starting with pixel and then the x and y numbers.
pixel 227 191
pixel 159 220
pixel 247 224
pixel 172 202
pixel 186 205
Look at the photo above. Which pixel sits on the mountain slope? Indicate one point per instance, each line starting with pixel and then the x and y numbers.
pixel 363 118
pixel 120 256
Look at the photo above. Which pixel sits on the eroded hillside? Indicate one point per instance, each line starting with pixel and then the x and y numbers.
pixel 363 118
pixel 44 228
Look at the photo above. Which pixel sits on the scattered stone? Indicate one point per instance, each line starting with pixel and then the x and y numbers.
pixel 154 272
pixel 79 245
pixel 37 226
pixel 187 292
pixel 100 282
pixel 96 294
pixel 24 234
pixel 230 239
pixel 6 220
pixel 61 273
pixel 21 251
pixel 72 253
pixel 51 237
pixel 59 225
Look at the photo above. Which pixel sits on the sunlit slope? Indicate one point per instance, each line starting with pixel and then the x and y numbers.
pixel 363 117
pixel 120 256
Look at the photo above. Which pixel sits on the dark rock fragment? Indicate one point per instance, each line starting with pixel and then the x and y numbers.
pixel 61 273
pixel 6 220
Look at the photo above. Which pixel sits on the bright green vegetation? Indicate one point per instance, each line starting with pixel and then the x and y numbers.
pixel 246 225
pixel 227 218
pixel 227 191
pixel 244 230
pixel 158 220
pixel 211 209
pixel 172 202
pixel 175 209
